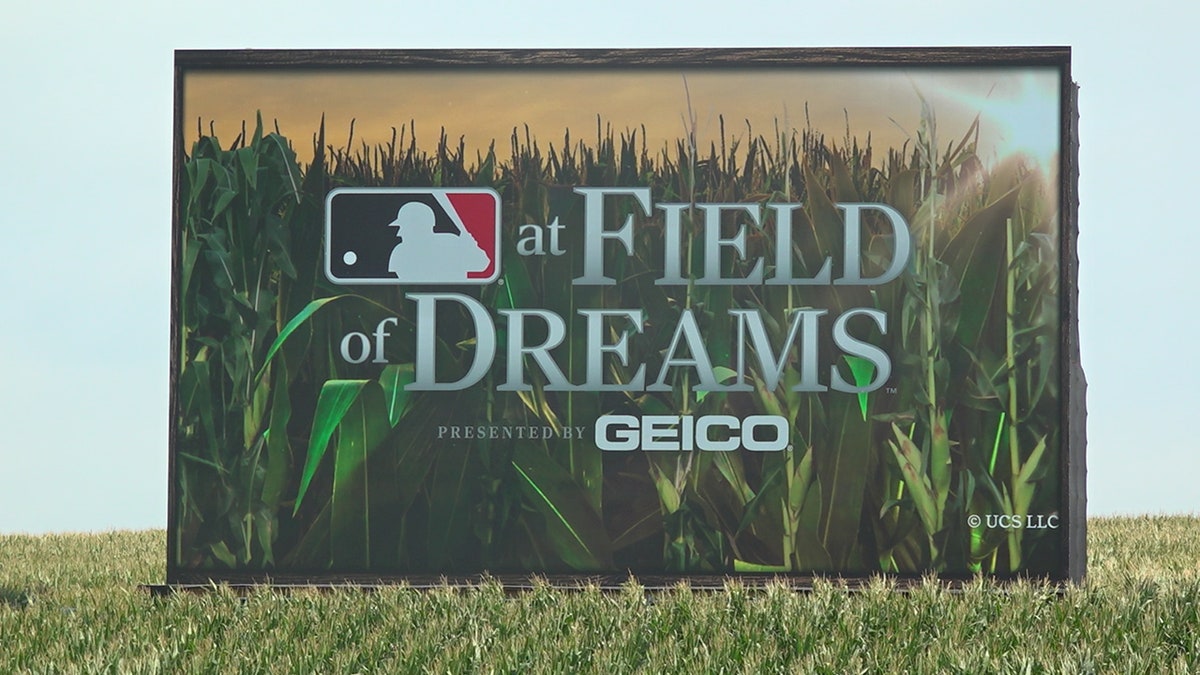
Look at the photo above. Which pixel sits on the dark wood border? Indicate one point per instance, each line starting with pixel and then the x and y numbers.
pixel 971 57
pixel 517 585
pixel 1073 469
pixel 177 158
pixel 1074 384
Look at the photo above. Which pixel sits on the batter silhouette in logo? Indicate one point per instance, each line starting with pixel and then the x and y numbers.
pixel 431 256
pixel 397 236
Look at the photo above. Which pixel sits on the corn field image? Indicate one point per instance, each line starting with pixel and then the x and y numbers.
pixel 922 414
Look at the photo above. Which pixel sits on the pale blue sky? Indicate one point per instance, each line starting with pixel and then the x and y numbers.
pixel 85 137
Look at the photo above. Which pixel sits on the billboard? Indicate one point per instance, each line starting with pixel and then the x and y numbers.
pixel 592 314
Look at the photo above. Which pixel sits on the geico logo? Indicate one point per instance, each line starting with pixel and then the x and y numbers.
pixel 714 433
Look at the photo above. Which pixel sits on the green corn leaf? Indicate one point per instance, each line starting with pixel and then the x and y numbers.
pixel 485 175
pixel 248 159
pixel 295 323
pixel 452 488
pixel 312 551
pixel 731 468
pixel 289 164
pixel 335 399
pixel 394 379
pixel 668 494
pixel 252 414
pixel 939 464
pixel 278 246
pixel 204 462
pixel 839 460
pixel 264 532
pixel 1026 484
pixel 823 214
pixel 191 251
pixel 800 482
pixel 203 170
pixel 908 456
pixel 639 525
pixel 305 314
pixel 769 401
pixel 195 398
pixel 843 184
pixel 971 254
pixel 761 499
pixel 863 371
pixel 722 375
pixel 217 255
pixel 220 551
pixel 576 531
pixel 901 193
pixel 279 449
pixel 1013 534
pixel 224 199
pixel 518 289
pixel 810 550
pixel 718 338
pixel 414 454
pixel 360 431
pixel 743 566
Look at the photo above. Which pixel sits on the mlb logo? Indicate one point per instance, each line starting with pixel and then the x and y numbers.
pixel 412 236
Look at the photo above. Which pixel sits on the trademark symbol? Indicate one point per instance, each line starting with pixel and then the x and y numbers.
pixel 500 282
pixel 890 390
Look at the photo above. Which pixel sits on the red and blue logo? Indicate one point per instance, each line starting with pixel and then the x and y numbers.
pixel 412 236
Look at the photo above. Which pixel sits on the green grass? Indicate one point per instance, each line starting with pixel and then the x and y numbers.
pixel 71 603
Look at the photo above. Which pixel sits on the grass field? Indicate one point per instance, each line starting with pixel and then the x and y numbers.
pixel 71 603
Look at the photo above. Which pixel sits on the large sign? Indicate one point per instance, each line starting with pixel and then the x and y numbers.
pixel 698 313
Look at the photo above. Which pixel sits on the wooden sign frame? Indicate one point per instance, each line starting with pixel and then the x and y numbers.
pixel 275 358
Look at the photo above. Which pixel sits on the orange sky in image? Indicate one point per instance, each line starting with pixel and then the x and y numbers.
pixel 1020 107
